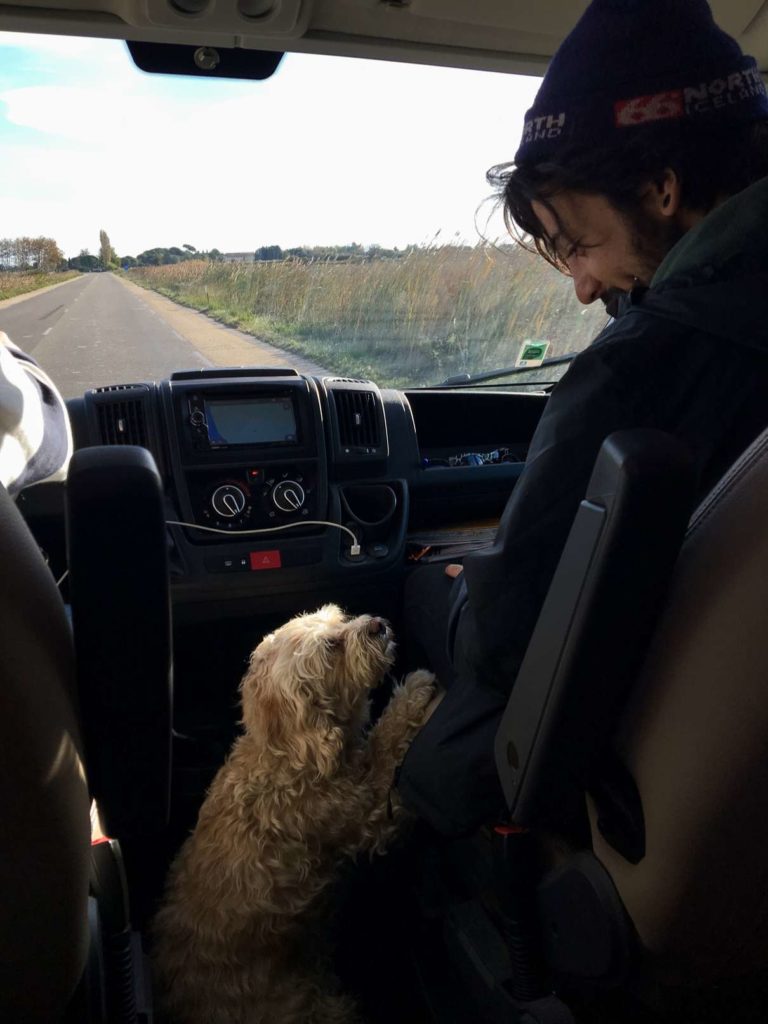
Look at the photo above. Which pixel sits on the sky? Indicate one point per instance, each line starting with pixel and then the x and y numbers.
pixel 328 151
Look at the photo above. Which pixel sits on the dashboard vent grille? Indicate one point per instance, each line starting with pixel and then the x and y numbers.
pixel 358 419
pixel 348 380
pixel 121 415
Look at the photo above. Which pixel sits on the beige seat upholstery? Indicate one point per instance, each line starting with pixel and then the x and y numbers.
pixel 695 738
pixel 44 806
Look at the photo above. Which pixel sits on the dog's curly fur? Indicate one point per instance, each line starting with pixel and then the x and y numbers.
pixel 237 939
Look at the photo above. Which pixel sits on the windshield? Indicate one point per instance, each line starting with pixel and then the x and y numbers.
pixel 335 217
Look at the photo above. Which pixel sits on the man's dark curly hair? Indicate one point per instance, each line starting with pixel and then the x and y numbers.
pixel 711 161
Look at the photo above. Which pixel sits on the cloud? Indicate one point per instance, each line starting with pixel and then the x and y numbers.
pixel 327 151
pixel 107 117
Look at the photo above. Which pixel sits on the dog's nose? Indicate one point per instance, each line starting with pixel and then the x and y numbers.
pixel 377 625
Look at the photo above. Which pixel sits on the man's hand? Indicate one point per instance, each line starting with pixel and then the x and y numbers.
pixel 453 570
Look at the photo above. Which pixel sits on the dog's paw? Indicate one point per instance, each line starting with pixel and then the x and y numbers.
pixel 420 686
pixel 402 718
pixel 420 693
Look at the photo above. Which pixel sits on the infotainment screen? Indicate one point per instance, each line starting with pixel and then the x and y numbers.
pixel 251 421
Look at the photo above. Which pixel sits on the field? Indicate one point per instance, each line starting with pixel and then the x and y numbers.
pixel 18 283
pixel 430 315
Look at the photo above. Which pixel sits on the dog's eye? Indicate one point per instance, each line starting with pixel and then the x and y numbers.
pixel 335 642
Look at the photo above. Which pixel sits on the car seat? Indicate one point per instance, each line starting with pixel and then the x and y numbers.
pixel 44 804
pixel 83 717
pixel 667 897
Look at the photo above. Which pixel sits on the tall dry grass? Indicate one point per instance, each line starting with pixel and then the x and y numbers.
pixel 15 283
pixel 436 313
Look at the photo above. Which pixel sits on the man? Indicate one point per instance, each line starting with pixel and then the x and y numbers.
pixel 35 435
pixel 642 168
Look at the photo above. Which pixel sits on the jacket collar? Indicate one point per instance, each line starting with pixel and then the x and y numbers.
pixel 736 228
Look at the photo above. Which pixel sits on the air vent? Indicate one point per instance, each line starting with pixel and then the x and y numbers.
pixel 121 414
pixel 347 380
pixel 358 419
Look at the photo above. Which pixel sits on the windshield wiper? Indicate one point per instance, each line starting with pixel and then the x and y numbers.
pixel 461 379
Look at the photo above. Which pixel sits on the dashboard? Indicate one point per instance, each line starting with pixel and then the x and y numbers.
pixel 277 482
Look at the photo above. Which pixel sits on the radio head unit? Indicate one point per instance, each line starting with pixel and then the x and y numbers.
pixel 249 420
pixel 235 418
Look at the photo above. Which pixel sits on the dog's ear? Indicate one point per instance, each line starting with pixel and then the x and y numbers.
pixel 335 641
pixel 255 697
pixel 281 711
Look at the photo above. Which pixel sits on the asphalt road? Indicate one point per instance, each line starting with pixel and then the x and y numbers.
pixel 96 330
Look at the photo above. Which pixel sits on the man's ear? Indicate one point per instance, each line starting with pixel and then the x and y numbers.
pixel 663 197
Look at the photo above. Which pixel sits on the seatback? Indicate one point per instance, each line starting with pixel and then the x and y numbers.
pixel 695 739
pixel 593 630
pixel 116 551
pixel 44 805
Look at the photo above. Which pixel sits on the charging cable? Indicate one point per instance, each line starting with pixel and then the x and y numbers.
pixel 354 549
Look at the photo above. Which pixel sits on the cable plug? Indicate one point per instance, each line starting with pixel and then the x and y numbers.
pixel 354 551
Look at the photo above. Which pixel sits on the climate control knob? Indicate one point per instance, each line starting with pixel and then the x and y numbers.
pixel 288 496
pixel 228 501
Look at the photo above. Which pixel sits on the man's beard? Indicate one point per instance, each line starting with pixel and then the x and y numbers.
pixel 651 241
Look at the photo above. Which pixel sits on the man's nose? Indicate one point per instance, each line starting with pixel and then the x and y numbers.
pixel 587 287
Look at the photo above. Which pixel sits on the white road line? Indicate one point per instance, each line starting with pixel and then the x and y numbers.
pixel 47 331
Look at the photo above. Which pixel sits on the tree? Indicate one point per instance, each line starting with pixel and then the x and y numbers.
pixel 268 252
pixel 22 253
pixel 40 254
pixel 152 257
pixel 188 247
pixel 106 252
pixel 84 261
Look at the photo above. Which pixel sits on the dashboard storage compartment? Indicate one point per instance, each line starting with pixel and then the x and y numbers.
pixel 377 513
pixel 370 506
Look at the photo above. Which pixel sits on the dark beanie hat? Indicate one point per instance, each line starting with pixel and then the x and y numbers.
pixel 634 62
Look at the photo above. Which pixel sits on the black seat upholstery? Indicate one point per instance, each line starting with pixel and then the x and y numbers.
pixel 44 805
pixel 116 545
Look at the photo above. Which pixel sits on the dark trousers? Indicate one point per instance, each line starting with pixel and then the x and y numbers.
pixel 449 775
pixel 429 597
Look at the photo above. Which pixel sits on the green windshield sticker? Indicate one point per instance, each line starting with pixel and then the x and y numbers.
pixel 532 353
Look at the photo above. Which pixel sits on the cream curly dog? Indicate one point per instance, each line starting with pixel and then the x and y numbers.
pixel 238 939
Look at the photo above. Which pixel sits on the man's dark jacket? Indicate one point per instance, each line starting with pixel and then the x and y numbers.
pixel 688 356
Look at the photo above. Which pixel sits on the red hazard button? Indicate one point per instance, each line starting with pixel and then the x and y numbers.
pixel 265 560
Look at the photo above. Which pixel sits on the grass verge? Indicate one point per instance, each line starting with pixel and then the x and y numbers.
pixel 433 314
pixel 14 283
